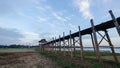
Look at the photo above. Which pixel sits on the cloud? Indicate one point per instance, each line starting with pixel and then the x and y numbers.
pixel 43 7
pixel 48 36
pixel 73 27
pixel 30 38
pixel 10 6
pixel 106 1
pixel 22 14
pixel 13 36
pixel 58 17
pixel 41 19
pixel 84 8
pixel 8 36
pixel 5 7
pixel 12 33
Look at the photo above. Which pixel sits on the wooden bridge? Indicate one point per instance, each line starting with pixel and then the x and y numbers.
pixel 70 40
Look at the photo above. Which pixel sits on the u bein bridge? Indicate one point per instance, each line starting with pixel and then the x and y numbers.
pixel 70 41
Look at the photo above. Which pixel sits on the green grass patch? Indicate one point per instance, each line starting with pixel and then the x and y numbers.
pixel 90 63
pixel 9 50
pixel 60 61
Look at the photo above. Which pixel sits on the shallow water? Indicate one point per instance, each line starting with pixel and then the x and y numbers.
pixel 117 49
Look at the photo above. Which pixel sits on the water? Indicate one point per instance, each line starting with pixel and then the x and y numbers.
pixel 117 49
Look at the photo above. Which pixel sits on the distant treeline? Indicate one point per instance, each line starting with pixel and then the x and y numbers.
pixel 17 46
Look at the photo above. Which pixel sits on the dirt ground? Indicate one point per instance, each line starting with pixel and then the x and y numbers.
pixel 26 60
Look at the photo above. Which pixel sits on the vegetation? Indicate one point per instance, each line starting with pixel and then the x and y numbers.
pixel 16 46
pixel 59 60
pixel 4 51
pixel 72 63
pixel 66 61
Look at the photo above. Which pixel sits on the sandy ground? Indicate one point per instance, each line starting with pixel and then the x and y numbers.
pixel 27 60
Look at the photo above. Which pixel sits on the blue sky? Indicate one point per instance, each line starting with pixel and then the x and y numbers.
pixel 27 21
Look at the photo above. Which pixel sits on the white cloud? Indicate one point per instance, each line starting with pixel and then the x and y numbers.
pixel 36 1
pixel 20 13
pixel 106 1
pixel 68 18
pixel 47 35
pixel 41 19
pixel 43 7
pixel 58 17
pixel 40 8
pixel 73 27
pixel 84 8
pixel 30 38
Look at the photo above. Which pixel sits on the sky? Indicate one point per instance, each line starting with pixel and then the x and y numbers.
pixel 28 21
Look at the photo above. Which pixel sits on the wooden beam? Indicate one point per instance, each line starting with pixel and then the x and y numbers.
pixel 81 44
pixel 95 42
pixel 115 22
pixel 111 46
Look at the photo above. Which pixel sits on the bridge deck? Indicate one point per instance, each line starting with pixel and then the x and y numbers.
pixel 100 27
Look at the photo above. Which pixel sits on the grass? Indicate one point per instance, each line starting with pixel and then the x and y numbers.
pixel 60 61
pixel 4 52
pixel 85 64
pixel 9 50
pixel 66 64
pixel 3 55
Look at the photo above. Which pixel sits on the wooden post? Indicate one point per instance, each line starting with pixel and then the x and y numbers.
pixel 81 45
pixel 48 47
pixel 74 47
pixel 59 44
pixel 43 48
pixel 63 43
pixel 55 46
pixel 115 22
pixel 71 44
pixel 95 42
pixel 111 46
pixel 68 46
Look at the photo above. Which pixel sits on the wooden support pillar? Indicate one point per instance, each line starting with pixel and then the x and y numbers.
pixel 64 43
pixel 71 44
pixel 96 42
pixel 42 47
pixel 59 44
pixel 48 47
pixel 115 22
pixel 81 44
pixel 111 46
pixel 93 43
pixel 74 51
pixel 55 46
pixel 68 46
